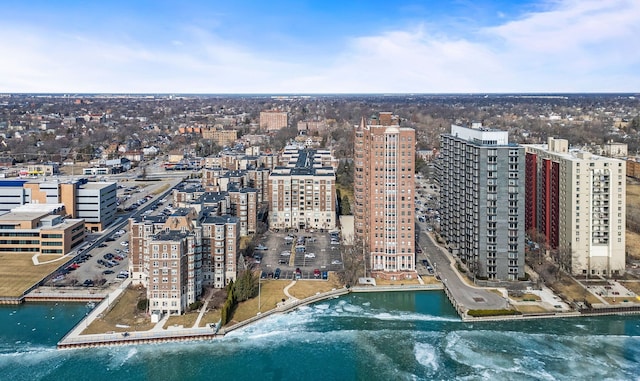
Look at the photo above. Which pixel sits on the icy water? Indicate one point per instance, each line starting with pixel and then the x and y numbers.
pixel 377 336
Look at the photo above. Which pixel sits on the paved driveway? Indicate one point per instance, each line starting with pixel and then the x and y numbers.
pixel 470 297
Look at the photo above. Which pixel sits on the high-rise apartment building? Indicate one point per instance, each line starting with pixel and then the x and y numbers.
pixel 482 193
pixel 303 194
pixel 577 201
pixel 273 120
pixel 175 256
pixel 384 189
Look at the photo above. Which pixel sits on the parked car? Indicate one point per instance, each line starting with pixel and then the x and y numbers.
pixel 276 274
pixel 316 273
pixel 310 255
pixel 261 247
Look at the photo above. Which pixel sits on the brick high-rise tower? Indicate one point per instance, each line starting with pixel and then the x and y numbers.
pixel 384 189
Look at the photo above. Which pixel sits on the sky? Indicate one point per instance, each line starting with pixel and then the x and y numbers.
pixel 323 46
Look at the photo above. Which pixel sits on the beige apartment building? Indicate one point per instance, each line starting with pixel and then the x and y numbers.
pixel 577 200
pixel 219 136
pixel 384 190
pixel 175 256
pixel 303 195
pixel 273 120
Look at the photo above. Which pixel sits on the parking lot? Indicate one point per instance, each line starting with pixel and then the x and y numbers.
pixel 309 251
pixel 99 266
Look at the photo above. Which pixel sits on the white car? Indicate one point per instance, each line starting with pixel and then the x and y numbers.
pixel 310 255
pixel 285 253
pixel 124 243
pixel 336 262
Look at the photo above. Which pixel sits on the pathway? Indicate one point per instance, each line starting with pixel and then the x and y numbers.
pixel 203 309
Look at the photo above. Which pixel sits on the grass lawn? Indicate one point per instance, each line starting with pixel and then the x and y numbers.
pixel 632 244
pixel 527 297
pixel 124 311
pixel 18 273
pixel 51 257
pixel 162 189
pixel 430 279
pixel 574 291
pixel 530 309
pixel 620 300
pixel 244 242
pixel 187 320
pixel 632 286
pixel 306 288
pixel 211 316
pixel 271 292
pixel 632 238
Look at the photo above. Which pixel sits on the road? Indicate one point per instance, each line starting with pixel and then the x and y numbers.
pixel 471 297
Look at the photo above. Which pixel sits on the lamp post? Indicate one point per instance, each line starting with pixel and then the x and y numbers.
pixel 259 295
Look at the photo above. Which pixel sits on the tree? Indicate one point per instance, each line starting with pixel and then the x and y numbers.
pixel 246 286
pixel 345 206
pixel 353 256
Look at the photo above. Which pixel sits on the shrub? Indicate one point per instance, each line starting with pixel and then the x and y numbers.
pixel 143 304
pixel 195 305
pixel 483 313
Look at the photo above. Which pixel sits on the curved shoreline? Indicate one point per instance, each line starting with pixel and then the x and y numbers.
pixel 74 339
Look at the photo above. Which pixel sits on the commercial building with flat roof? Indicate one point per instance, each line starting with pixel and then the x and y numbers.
pixel 38 231
pixel 95 202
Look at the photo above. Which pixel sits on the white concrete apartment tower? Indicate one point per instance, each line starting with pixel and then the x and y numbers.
pixel 577 200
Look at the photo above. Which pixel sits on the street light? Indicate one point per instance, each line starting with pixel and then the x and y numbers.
pixel 259 295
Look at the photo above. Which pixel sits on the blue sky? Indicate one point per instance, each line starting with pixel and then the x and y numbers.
pixel 348 46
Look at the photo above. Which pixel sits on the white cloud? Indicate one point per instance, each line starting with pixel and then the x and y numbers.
pixel 572 45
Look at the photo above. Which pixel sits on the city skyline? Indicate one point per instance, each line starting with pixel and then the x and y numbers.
pixel 321 47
